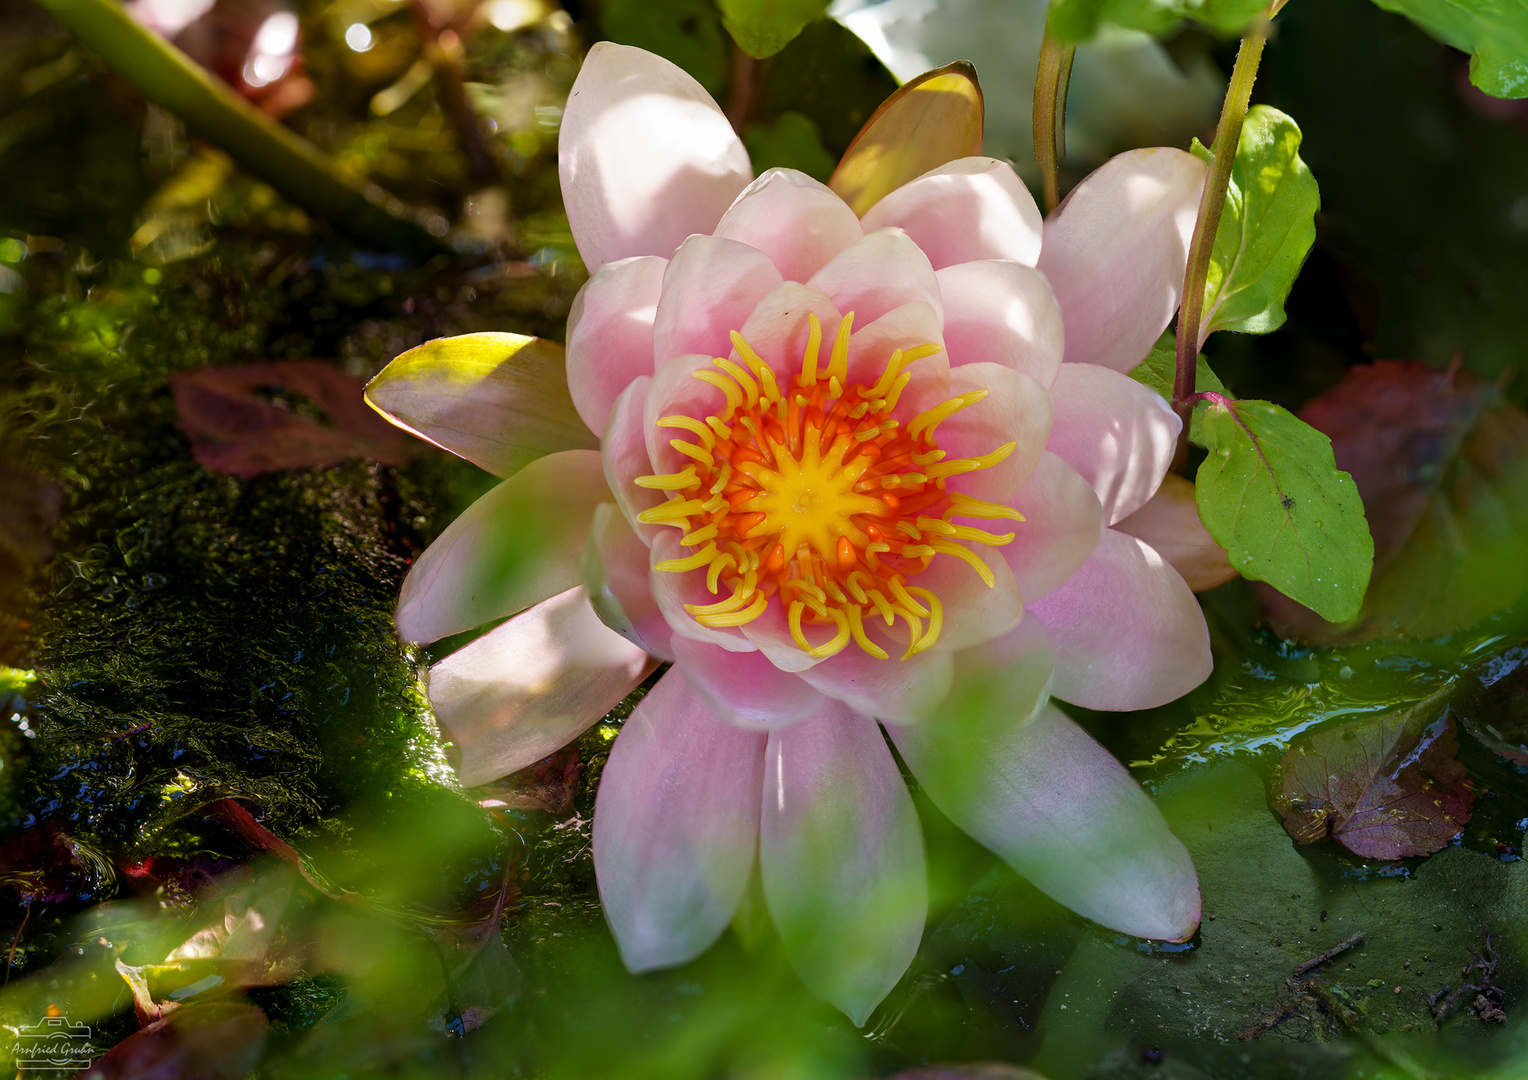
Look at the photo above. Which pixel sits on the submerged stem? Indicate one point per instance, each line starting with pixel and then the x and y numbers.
pixel 1051 81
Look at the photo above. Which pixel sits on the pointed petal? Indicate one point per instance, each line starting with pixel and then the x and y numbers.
pixel 1170 523
pixel 745 688
pixel 516 546
pixel 998 683
pixel 617 577
pixel 676 822
pixel 1119 435
pixel 1061 811
pixel 498 400
pixel 968 209
pixel 891 689
pixel 778 328
pixel 711 287
pixel 883 270
pixel 841 858
pixel 645 156
pixel 532 685
pixel 1003 313
pixel 1128 632
pixel 1062 522
pixel 623 455
pixel 1016 409
pixel 794 220
pixel 610 334
pixel 1115 253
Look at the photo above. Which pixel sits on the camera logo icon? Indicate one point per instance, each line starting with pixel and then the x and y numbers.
pixel 53 1043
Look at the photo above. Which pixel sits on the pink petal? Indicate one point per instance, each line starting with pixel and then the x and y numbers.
pixel 1115 253
pixel 1016 409
pixel 1127 631
pixel 676 392
pixel 610 334
pixel 841 858
pixel 618 579
pixel 884 270
pixel 770 634
pixel 794 220
pixel 905 327
pixel 778 328
pixel 745 688
pixel 1062 521
pixel 516 546
pixel 1003 313
pixel 971 208
pixel 672 591
pixel 891 689
pixel 711 287
pixel 645 157
pixel 998 683
pixel 1170 523
pixel 532 685
pixel 623 453
pixel 973 612
pixel 1119 435
pixel 676 822
pixel 1064 813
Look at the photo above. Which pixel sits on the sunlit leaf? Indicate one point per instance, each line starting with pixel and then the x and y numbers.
pixel 1494 32
pixel 1271 494
pixel 686 32
pixel 764 27
pixel 934 119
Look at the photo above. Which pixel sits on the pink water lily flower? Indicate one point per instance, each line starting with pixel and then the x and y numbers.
pixel 855 475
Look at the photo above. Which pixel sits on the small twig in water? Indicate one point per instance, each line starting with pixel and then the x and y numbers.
pixel 1335 950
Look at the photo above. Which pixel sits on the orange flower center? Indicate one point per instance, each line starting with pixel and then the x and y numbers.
pixel 814 494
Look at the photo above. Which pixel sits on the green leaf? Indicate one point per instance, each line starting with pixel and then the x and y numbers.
pixel 1266 229
pixel 764 27
pixel 790 141
pixel 1494 32
pixel 685 32
pixel 1159 370
pixel 1078 20
pixel 1271 494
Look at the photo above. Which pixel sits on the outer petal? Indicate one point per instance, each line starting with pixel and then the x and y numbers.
pixel 892 689
pixel 532 685
pixel 1016 409
pixel 882 271
pixel 1062 521
pixel 610 334
pixel 645 156
pixel 623 453
pixel 745 688
pixel 1002 313
pixel 617 577
pixel 841 858
pixel 1062 812
pixel 1119 435
pixel 971 208
pixel 514 547
pixel 1115 253
pixel 676 821
pixel 794 220
pixel 999 683
pixel 711 287
pixel 1170 523
pixel 1127 630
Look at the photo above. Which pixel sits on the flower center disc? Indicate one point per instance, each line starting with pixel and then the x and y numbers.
pixel 813 494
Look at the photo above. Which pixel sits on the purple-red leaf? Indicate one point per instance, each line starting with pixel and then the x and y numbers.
pixel 217 1041
pixel 244 421
pixel 1385 787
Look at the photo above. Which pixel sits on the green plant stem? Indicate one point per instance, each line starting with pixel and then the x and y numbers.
pixel 1051 80
pixel 1211 203
pixel 292 165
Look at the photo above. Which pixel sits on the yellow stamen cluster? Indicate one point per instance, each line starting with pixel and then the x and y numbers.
pixel 814 494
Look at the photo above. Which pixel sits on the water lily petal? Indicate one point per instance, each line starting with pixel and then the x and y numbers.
pixel 1115 253
pixel 1119 435
pixel 532 685
pixel 745 688
pixel 1128 632
pixel 645 156
pixel 794 220
pixel 891 689
pixel 1064 813
pixel 516 546
pixel 973 611
pixel 1170 523
pixel 1004 313
pixel 1016 409
pixel 770 634
pixel 841 858
pixel 672 591
pixel 968 209
pixel 905 327
pixel 676 392
pixel 712 285
pixel 881 271
pixel 1062 522
pixel 777 329
pixel 618 580
pixel 676 823
pixel 998 682
pixel 623 453
pixel 610 334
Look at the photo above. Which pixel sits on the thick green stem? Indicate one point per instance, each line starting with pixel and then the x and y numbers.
pixel 1051 81
pixel 298 169
pixel 1211 203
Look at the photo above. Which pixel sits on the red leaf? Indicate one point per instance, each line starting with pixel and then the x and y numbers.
pixel 235 430
pixel 218 1041
pixel 1385 787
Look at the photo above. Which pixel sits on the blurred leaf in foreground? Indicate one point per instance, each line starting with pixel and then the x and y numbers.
pixel 1385 787
pixel 764 27
pixel 1494 32
pixel 1441 461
